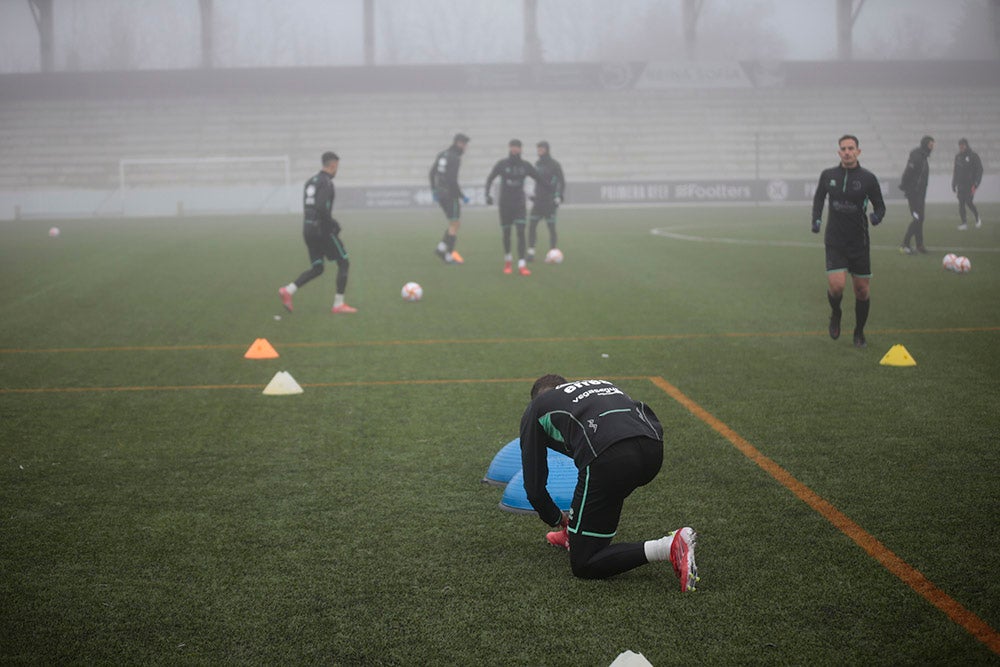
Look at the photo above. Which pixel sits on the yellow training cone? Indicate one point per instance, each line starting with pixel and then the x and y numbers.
pixel 897 356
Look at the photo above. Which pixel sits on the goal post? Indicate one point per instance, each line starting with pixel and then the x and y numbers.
pixel 206 185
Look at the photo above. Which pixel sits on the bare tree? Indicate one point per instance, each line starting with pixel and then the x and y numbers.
pixel 207 30
pixel 847 14
pixel 41 10
pixel 369 31
pixel 532 43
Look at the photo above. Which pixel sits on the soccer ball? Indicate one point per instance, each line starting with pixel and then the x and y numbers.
pixel 412 292
pixel 949 261
pixel 54 232
pixel 963 265
pixel 554 256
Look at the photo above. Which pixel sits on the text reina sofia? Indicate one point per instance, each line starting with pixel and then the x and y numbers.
pixel 678 192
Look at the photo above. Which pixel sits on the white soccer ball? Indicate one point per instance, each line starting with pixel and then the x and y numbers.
pixel 554 256
pixel 963 265
pixel 949 261
pixel 412 292
pixel 53 232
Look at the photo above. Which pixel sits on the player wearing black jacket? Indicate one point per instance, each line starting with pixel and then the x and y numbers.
pixel 850 188
pixel 321 233
pixel 446 191
pixel 914 186
pixel 512 170
pixel 965 179
pixel 548 195
pixel 617 446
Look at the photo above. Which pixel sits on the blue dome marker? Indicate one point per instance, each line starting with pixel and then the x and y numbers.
pixel 505 464
pixel 561 484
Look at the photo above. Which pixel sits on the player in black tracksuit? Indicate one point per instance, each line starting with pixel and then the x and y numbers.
pixel 444 186
pixel 965 179
pixel 321 233
pixel 617 446
pixel 850 188
pixel 549 189
pixel 512 170
pixel 914 186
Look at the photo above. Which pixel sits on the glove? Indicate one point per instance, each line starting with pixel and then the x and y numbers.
pixel 816 225
pixel 902 187
pixel 874 219
pixel 465 200
pixel 489 200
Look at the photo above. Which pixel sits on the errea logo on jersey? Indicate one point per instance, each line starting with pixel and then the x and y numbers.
pixel 570 387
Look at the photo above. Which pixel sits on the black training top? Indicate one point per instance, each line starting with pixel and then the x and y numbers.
pixel 550 183
pixel 968 170
pixel 513 169
pixel 444 173
pixel 849 191
pixel 580 419
pixel 317 202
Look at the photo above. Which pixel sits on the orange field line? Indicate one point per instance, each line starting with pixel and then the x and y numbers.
pixel 482 341
pixel 976 626
pixel 356 383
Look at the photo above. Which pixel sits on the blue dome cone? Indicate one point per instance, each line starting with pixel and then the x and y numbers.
pixel 505 464
pixel 560 485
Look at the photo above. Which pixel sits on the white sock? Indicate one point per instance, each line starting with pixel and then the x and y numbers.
pixel 441 246
pixel 291 288
pixel 521 263
pixel 531 251
pixel 338 300
pixel 508 257
pixel 657 550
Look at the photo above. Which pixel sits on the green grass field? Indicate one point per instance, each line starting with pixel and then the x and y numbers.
pixel 156 508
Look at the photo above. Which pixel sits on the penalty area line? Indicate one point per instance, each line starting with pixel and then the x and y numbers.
pixel 911 576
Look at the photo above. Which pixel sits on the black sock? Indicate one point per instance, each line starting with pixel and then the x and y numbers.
pixel 449 241
pixel 834 303
pixel 861 313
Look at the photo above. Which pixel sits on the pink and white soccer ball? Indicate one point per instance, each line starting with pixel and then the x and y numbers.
pixel 412 292
pixel 54 232
pixel 554 256
pixel 949 261
pixel 963 265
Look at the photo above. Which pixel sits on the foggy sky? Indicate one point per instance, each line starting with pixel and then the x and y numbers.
pixel 164 34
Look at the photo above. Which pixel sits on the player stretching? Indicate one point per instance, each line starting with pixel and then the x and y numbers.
pixel 849 187
pixel 322 235
pixel 444 185
pixel 513 210
pixel 548 195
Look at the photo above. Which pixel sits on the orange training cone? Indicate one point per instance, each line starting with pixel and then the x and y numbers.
pixel 261 349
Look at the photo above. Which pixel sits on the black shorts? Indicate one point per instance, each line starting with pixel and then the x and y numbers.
pixel 452 207
pixel 513 213
pixel 544 209
pixel 323 244
pixel 856 260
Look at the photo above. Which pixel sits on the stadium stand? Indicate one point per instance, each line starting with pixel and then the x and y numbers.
pixel 390 138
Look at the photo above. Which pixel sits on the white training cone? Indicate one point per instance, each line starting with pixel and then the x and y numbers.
pixel 630 659
pixel 282 384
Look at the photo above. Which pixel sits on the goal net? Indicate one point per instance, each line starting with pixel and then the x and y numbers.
pixel 205 185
